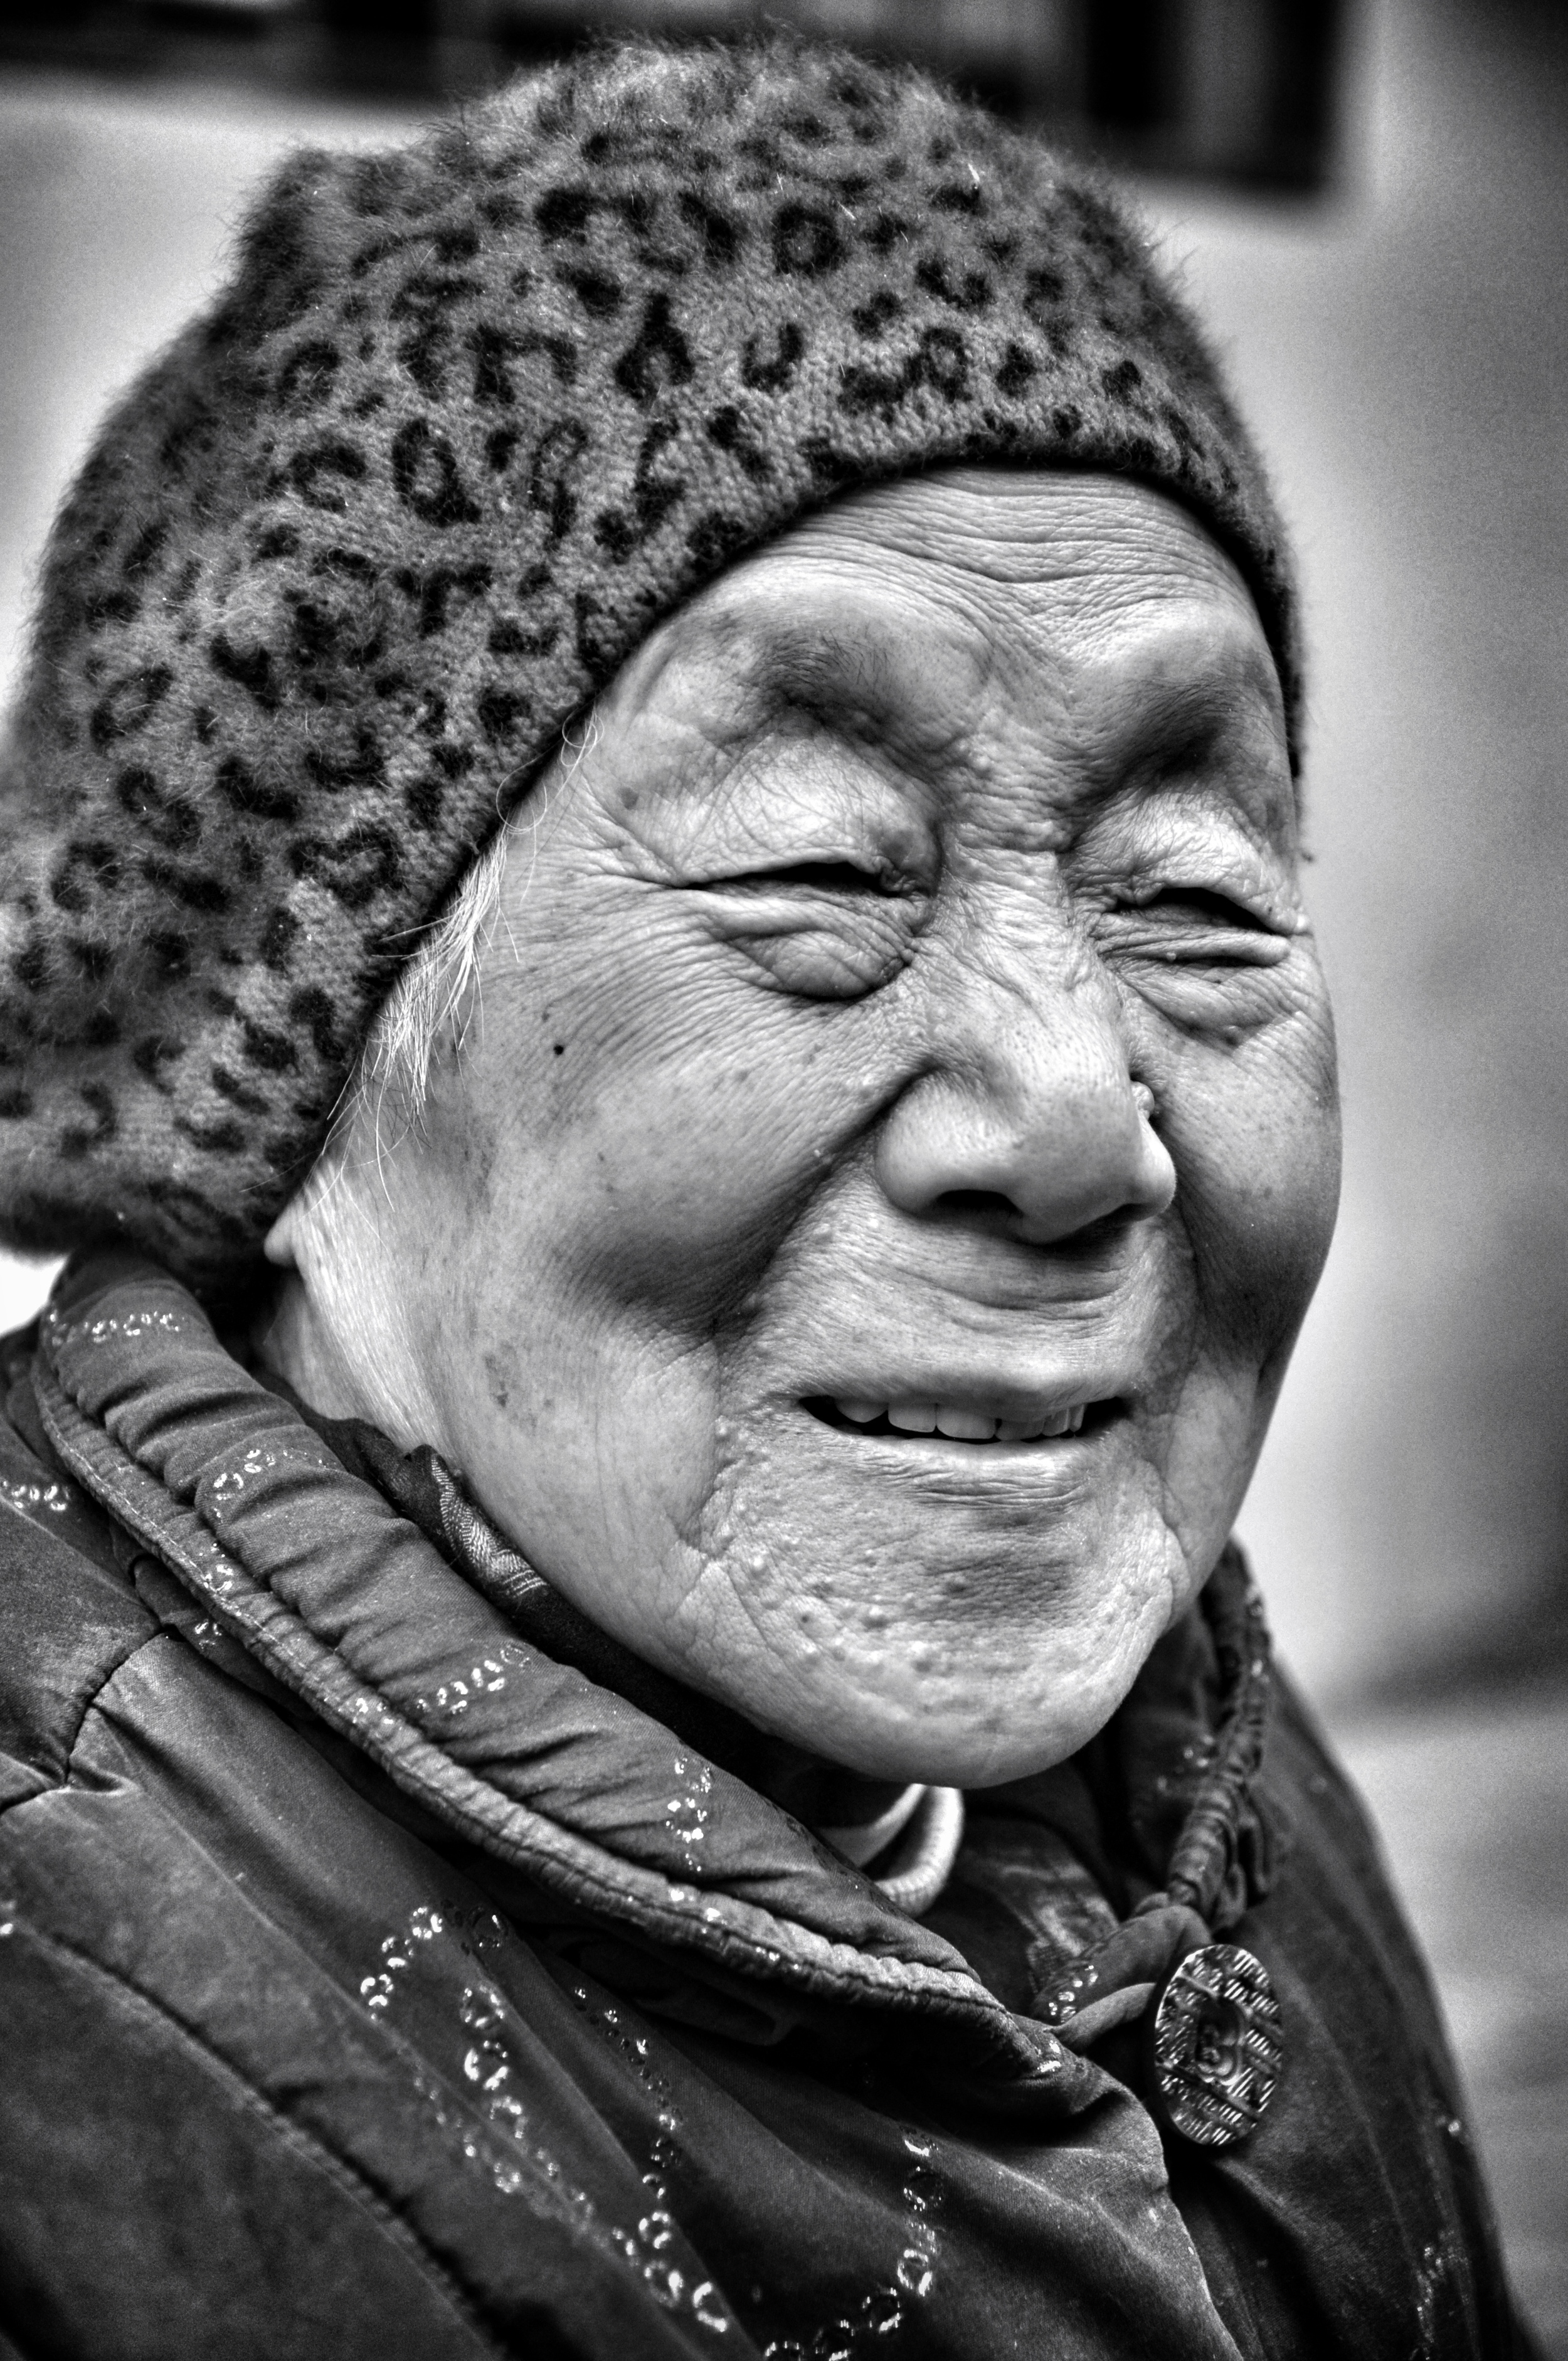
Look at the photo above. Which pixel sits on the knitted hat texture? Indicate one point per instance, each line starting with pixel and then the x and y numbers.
pixel 470 417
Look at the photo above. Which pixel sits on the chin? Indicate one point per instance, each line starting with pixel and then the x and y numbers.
pixel 988 1659
pixel 996 1719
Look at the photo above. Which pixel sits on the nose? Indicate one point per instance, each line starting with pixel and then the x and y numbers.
pixel 1032 1119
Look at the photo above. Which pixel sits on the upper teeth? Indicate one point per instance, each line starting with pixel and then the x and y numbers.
pixel 964 1425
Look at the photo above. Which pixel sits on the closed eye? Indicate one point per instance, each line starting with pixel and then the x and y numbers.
pixel 1193 926
pixel 822 929
pixel 808 876
pixel 1200 901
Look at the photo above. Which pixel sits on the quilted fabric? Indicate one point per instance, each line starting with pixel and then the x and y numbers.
pixel 471 416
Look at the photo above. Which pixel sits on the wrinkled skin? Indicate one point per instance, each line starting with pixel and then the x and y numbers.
pixel 904 997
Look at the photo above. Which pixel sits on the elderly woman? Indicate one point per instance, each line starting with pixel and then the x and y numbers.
pixel 653 963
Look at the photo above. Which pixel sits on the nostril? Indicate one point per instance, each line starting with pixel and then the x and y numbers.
pixel 985 1210
pixel 977 1208
pixel 1104 1230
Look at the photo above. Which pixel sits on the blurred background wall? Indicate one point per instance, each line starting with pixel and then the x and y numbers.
pixel 1371 210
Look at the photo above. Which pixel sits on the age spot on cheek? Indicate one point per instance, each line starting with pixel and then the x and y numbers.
pixel 501 1374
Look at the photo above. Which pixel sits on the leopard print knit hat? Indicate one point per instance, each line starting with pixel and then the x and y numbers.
pixel 470 417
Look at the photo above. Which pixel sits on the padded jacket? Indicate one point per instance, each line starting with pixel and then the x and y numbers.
pixel 389 1969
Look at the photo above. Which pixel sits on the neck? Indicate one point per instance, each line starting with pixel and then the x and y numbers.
pixel 339 1355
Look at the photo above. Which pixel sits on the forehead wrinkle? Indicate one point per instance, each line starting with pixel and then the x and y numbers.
pixel 1064 553
pixel 1026 527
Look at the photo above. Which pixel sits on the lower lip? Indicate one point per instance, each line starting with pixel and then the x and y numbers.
pixel 940 1455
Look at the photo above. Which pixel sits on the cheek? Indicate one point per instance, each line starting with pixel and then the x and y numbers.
pixel 678 1154
pixel 631 1139
pixel 1254 1133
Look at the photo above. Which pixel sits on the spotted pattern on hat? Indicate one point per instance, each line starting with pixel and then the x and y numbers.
pixel 471 415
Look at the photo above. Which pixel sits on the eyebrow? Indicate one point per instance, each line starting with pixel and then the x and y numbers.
pixel 819 671
pixel 1196 725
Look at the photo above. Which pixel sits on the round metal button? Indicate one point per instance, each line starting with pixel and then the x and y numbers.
pixel 1215 2053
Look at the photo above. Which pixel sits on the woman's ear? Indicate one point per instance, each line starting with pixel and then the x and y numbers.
pixel 278 1244
pixel 337 1325
pixel 288 1242
pixel 322 1301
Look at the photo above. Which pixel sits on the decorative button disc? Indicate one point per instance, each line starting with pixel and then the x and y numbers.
pixel 1215 2052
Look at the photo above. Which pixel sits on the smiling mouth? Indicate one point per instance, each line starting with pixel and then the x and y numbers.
pixel 906 1421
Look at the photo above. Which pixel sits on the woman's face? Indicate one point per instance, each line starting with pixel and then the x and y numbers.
pixel 857 1250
